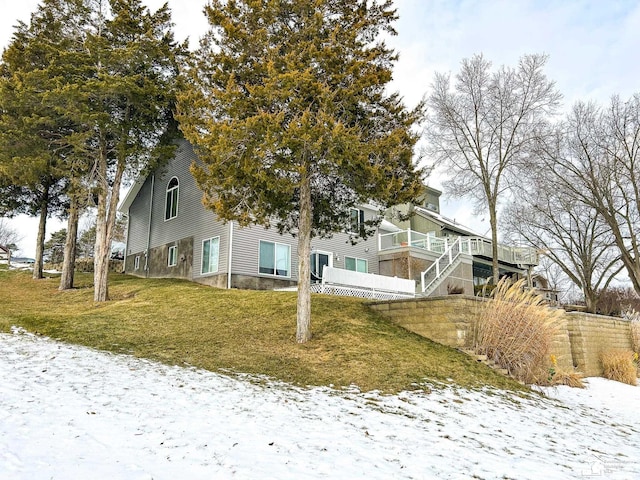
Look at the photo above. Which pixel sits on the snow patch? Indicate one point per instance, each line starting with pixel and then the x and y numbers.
pixel 70 412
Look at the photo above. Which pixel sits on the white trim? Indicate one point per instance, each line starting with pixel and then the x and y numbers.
pixel 136 262
pixel 213 272
pixel 360 221
pixel 175 256
pixel 166 198
pixel 366 261
pixel 322 252
pixel 275 275
pixel 230 254
pixel 151 195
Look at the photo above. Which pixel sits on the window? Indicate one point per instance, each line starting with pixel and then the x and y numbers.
pixel 275 259
pixel 171 203
pixel 136 263
pixel 356 264
pixel 356 220
pixel 210 253
pixel 173 256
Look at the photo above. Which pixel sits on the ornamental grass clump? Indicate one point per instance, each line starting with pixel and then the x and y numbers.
pixel 558 376
pixel 515 329
pixel 620 365
pixel 634 322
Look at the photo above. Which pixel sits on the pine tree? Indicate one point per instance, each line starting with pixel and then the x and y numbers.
pixel 32 178
pixel 128 98
pixel 103 72
pixel 285 102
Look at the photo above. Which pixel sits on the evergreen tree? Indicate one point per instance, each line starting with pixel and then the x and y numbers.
pixel 54 247
pixel 106 72
pixel 32 133
pixel 128 99
pixel 285 102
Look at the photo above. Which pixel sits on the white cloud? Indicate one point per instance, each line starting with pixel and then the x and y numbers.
pixel 591 44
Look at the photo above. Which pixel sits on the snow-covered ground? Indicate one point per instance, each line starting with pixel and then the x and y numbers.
pixel 69 412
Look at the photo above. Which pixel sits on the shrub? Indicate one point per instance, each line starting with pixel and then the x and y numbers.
pixel 619 365
pixel 558 376
pixel 454 289
pixel 515 329
pixel 483 290
pixel 614 301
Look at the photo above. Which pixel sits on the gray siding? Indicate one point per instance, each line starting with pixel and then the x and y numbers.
pixel 139 220
pixel 192 219
pixel 196 222
pixel 246 244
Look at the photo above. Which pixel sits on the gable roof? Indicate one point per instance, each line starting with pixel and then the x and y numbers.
pixel 131 194
pixel 447 223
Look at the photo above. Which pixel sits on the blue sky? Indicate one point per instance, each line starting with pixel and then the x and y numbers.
pixel 593 48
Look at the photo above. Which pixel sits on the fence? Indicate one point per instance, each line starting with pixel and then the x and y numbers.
pixel 338 281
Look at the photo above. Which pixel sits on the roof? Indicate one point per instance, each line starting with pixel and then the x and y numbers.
pixel 388 226
pixel 447 222
pixel 131 194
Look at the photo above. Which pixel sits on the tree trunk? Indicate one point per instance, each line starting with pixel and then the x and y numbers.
pixel 304 258
pixel 69 263
pixel 590 301
pixel 42 229
pixel 108 197
pixel 493 221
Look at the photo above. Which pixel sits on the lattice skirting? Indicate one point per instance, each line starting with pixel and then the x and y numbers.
pixel 347 291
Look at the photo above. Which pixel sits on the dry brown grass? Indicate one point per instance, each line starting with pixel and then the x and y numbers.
pixel 515 329
pixel 558 376
pixel 635 334
pixel 180 322
pixel 569 378
pixel 620 365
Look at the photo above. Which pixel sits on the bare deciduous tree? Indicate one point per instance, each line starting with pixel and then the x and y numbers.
pixel 598 164
pixel 571 233
pixel 483 126
pixel 9 237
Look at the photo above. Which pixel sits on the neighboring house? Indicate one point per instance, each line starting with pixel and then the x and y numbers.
pixel 541 285
pixel 5 254
pixel 171 234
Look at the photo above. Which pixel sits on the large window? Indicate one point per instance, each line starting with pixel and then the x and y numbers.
pixel 275 259
pixel 356 264
pixel 356 221
pixel 172 255
pixel 171 202
pixel 210 254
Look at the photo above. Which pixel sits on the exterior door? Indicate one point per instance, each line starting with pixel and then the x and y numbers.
pixel 318 261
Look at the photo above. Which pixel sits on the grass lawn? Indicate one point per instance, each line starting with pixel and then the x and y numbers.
pixel 243 331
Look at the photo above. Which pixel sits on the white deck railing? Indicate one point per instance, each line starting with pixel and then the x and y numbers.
pixel 471 245
pixel 338 281
pixel 448 259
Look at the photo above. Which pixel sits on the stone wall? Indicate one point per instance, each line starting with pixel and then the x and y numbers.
pixel 580 337
pixel 590 335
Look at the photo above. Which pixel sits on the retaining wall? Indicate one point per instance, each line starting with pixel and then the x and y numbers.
pixel 580 337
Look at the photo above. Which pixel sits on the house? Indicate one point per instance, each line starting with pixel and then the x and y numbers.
pixel 442 255
pixel 541 286
pixel 171 234
pixel 5 254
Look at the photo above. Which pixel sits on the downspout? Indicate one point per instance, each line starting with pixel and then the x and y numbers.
pixel 126 241
pixel 230 254
pixel 146 254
